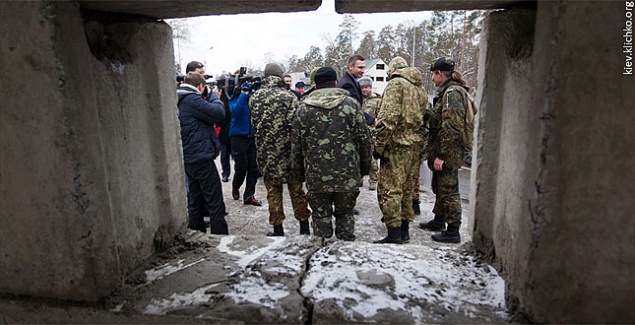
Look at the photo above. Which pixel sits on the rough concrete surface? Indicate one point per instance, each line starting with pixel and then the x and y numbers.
pixel 247 277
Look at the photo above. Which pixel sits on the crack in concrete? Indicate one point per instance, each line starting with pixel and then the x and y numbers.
pixel 306 301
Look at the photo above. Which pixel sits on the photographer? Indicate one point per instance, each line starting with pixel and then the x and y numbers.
pixel 241 134
pixel 200 147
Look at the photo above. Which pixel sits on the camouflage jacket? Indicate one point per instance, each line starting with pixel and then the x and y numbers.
pixel 272 109
pixel 401 112
pixel 331 142
pixel 371 104
pixel 446 122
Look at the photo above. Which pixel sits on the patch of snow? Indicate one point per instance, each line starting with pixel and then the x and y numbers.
pixel 417 277
pixel 178 300
pixel 252 253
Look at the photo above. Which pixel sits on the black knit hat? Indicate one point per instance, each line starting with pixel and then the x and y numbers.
pixel 325 74
pixel 443 64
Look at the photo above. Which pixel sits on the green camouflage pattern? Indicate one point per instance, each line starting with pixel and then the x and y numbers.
pixel 446 121
pixel 331 142
pixel 402 109
pixel 272 110
pixel 416 173
pixel 274 199
pixel 398 137
pixel 395 189
pixel 371 104
pixel 340 205
pixel 445 185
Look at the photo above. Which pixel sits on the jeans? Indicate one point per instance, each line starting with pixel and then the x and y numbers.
pixel 244 153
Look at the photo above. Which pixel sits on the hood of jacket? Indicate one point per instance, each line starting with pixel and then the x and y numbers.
pixel 273 82
pixel 184 90
pixel 409 73
pixel 327 98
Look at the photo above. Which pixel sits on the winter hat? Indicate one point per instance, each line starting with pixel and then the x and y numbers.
pixel 365 81
pixel 396 64
pixel 313 74
pixel 325 74
pixel 273 69
pixel 299 84
pixel 443 63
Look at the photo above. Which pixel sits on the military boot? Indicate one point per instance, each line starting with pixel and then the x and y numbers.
pixel 304 227
pixel 436 224
pixel 394 237
pixel 405 231
pixel 277 231
pixel 415 207
pixel 449 236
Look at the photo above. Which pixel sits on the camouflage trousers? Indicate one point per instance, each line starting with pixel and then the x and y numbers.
pixel 395 188
pixel 322 205
pixel 274 198
pixel 445 185
pixel 416 172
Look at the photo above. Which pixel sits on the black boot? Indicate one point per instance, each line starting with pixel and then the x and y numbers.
pixel 277 231
pixel 415 207
pixel 394 237
pixel 436 224
pixel 405 233
pixel 449 236
pixel 304 227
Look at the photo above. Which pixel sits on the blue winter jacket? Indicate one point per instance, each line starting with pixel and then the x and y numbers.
pixel 197 117
pixel 241 117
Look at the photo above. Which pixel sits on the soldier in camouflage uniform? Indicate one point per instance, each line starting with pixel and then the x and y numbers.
pixel 272 110
pixel 331 152
pixel 370 106
pixel 445 155
pixel 397 145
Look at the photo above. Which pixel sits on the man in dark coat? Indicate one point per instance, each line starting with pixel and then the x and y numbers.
pixel 200 148
pixel 354 71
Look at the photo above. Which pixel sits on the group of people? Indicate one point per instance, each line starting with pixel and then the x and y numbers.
pixel 326 140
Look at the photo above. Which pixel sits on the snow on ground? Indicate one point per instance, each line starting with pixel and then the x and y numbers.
pixel 423 281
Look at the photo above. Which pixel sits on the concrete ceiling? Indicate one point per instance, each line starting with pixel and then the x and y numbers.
pixel 164 9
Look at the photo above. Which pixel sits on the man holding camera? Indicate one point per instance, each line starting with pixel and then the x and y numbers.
pixel 200 147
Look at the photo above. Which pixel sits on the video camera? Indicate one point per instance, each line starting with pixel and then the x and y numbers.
pixel 229 82
pixel 181 78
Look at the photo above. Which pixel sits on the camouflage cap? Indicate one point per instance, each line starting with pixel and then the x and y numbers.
pixel 444 63
pixel 365 81
pixel 313 74
pixel 273 69
pixel 396 64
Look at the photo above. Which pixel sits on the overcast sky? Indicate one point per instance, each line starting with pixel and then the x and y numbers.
pixel 245 40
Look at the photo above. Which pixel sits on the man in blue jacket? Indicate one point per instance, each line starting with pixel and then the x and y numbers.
pixel 200 148
pixel 241 134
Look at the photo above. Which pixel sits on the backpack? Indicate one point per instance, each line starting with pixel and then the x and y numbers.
pixel 467 135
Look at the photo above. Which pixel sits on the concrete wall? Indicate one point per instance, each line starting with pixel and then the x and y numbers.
pixel 91 167
pixel 554 184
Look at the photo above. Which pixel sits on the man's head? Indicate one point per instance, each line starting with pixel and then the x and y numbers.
pixel 287 80
pixel 366 84
pixel 325 77
pixel 356 66
pixel 195 79
pixel 273 69
pixel 396 64
pixel 442 70
pixel 195 66
pixel 299 87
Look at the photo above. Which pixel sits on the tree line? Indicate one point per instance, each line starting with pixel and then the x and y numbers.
pixel 446 33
